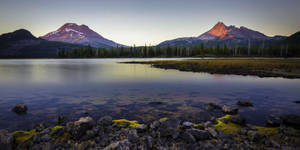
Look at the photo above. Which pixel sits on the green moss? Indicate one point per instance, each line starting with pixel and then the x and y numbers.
pixel 164 118
pixel 132 124
pixel 228 128
pixel 267 130
pixel 198 125
pixel 56 127
pixel 23 136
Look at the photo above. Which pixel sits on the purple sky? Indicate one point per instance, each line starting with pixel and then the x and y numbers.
pixel 150 22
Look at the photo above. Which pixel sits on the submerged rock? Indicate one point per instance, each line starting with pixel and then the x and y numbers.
pixel 212 106
pixel 291 120
pixel 297 102
pixel 20 108
pixel 230 110
pixel 273 121
pixel 155 103
pixel 244 103
pixel 237 119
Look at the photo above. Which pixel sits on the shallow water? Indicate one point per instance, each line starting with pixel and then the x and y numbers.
pixel 98 87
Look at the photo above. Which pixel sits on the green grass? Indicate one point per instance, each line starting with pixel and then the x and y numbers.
pixel 243 66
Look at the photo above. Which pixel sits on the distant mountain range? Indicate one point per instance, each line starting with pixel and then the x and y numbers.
pixel 222 34
pixel 21 43
pixel 79 34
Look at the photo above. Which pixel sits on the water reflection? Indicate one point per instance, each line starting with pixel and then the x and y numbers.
pixel 100 87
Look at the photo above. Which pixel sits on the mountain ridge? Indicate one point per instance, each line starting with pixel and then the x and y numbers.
pixel 79 34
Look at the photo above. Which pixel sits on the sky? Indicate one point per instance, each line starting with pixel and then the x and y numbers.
pixel 148 22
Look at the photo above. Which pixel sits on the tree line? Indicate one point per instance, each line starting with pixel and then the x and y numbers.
pixel 276 50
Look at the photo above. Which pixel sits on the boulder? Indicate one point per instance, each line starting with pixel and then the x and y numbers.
pixel 188 137
pixel 79 128
pixel 46 138
pixel 245 103
pixel 105 121
pixel 20 108
pixel 297 102
pixel 291 120
pixel 212 131
pixel 237 119
pixel 187 124
pixel 212 106
pixel 133 136
pixel 230 110
pixel 6 140
pixel 118 145
pixel 199 134
pixel 273 121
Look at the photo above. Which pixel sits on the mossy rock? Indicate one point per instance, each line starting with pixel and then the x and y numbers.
pixel 132 124
pixel 228 128
pixel 23 136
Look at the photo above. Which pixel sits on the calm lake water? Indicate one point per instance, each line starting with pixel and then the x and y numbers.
pixel 98 87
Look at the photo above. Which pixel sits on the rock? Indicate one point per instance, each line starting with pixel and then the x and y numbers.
pixel 169 127
pixel 188 137
pixel 237 119
pixel 297 102
pixel 36 138
pixel 291 120
pixel 62 120
pixel 149 142
pixel 273 121
pixel 230 110
pixel 58 132
pixel 20 108
pixel 133 136
pixel 105 121
pixel 46 138
pixel 212 106
pixel 46 131
pixel 212 131
pixel 155 103
pixel 244 103
pixel 154 124
pixel 141 128
pixel 254 136
pixel 187 124
pixel 207 124
pixel 6 140
pixel 117 145
pixel 79 128
pixel 40 127
pixel 199 134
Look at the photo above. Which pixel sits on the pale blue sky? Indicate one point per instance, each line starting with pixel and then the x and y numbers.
pixel 150 21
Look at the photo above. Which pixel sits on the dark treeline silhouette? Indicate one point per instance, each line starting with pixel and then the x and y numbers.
pixel 275 50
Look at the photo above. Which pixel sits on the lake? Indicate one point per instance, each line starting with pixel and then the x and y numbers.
pixel 98 87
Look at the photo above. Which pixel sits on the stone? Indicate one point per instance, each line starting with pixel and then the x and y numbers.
pixel 230 110
pixel 273 121
pixel 46 138
pixel 237 119
pixel 133 136
pixel 6 140
pixel 117 145
pixel 245 103
pixel 20 108
pixel 79 128
pixel 207 124
pixel 291 121
pixel 187 124
pixel 254 136
pixel 297 102
pixel 212 131
pixel 105 121
pixel 46 131
pixel 62 120
pixel 212 106
pixel 199 134
pixel 141 128
pixel 188 137
pixel 155 103
pixel 36 138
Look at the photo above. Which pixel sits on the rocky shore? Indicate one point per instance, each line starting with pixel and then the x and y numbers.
pixel 227 132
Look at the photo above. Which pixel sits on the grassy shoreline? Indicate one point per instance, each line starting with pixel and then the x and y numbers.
pixel 286 68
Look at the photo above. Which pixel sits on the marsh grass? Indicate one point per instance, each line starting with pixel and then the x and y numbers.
pixel 289 68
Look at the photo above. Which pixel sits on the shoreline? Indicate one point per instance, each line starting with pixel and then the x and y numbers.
pixel 267 67
pixel 227 132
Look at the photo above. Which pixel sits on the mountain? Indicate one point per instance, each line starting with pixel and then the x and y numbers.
pixel 222 34
pixel 79 34
pixel 22 44
pixel 293 39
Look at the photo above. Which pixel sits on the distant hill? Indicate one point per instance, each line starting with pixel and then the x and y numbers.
pixel 293 39
pixel 79 34
pixel 222 34
pixel 22 44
